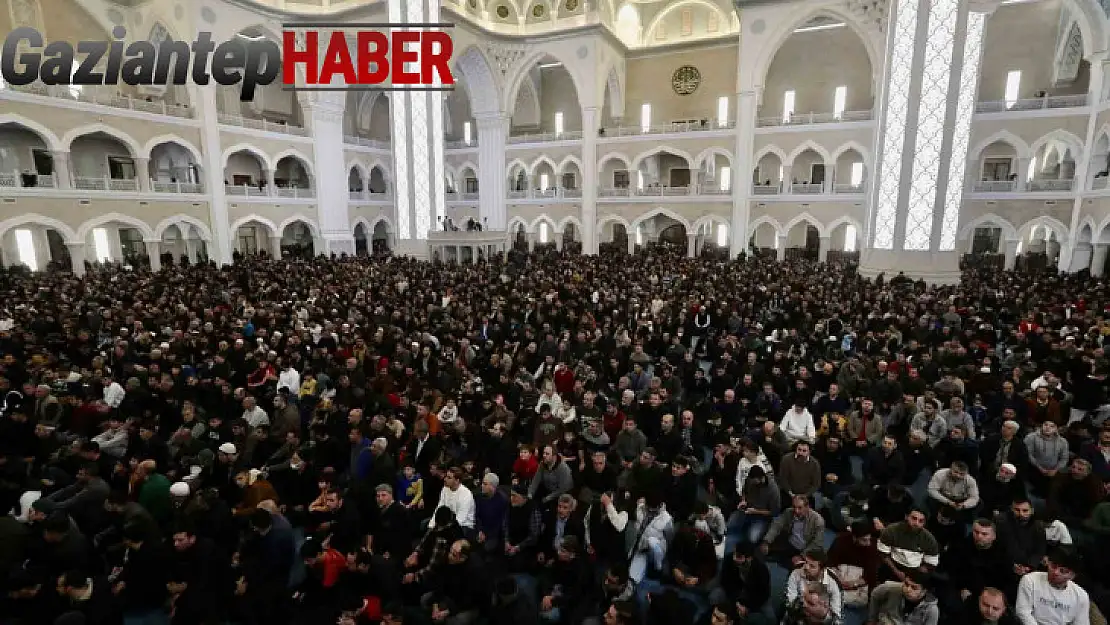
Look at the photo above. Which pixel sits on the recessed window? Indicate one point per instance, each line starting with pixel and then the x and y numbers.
pixel 544 180
pixel 101 248
pixel 722 235
pixel 840 97
pixel 849 238
pixel 725 174
pixel 645 117
pixel 466 133
pixel 722 111
pixel 1013 85
pixel 559 123
pixel 25 244
pixel 857 174
pixel 543 232
pixel 787 106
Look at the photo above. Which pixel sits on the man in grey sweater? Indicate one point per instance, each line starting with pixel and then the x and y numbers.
pixel 1048 455
pixel 908 602
pixel 552 479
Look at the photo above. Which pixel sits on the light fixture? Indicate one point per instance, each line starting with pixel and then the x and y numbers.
pixel 819 27
pixel 550 65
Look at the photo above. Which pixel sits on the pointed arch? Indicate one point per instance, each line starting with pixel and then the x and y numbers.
pixel 710 219
pixel 361 221
pixel 605 220
pixel 530 99
pixel 542 218
pixel 614 86
pixel 1005 136
pixel 802 13
pixel 1009 232
pixel 84 229
pixel 1102 233
pixel 844 220
pixel 34 219
pixel 514 224
pixel 300 156
pixel 864 153
pixel 1063 136
pixel 468 165
pixel 761 220
pixel 808 144
pixel 312 226
pixel 255 151
pixel 148 149
pixel 663 148
pixel 256 218
pixel 363 170
pixel 569 158
pixel 88 129
pixel 381 219
pixel 611 156
pixel 712 151
pixel 726 18
pixel 664 211
pixel 202 228
pixel 48 137
pixel 770 149
pixel 481 86
pixel 522 68
pixel 542 159
pixel 516 162
pixel 571 220
pixel 1051 223
pixel 1089 223
pixel 807 218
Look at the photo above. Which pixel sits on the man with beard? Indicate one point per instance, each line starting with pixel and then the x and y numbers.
pixel 392 535
pixel 1051 597
pixel 988 608
pixel 999 491
pixel 198 578
pixel 604 530
pixel 975 563
pixel 1023 537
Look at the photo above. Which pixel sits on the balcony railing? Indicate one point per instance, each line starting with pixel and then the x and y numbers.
pixel 1099 183
pixel 19 180
pixel 246 190
pixel 662 129
pixel 847 188
pixel 765 189
pixel 455 196
pixel 297 193
pixel 1051 185
pixel 803 119
pixel 176 187
pixel 94 96
pixel 460 144
pixel 1032 104
pixel 83 183
pixel 261 124
pixel 381 144
pixel 371 196
pixel 807 189
pixel 995 186
pixel 541 137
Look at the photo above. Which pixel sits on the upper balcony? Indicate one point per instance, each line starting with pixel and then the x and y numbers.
pixel 1034 104
pixel 809 119
pixel 101 97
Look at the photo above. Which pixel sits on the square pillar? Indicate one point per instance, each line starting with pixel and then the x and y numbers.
pixel 142 170
pixel 154 253
pixel 62 176
pixel 1098 259
pixel 493 134
pixel 823 250
pixel 691 245
pixel 590 123
pixel 77 257
pixel 212 171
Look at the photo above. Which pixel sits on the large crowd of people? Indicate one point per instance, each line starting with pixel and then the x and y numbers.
pixel 552 438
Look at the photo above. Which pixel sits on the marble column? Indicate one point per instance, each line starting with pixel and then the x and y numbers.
pixel 747 104
pixel 191 250
pixel 493 134
pixel 275 246
pixel 823 250
pixel 62 177
pixel 780 247
pixel 927 102
pixel 212 169
pixel 1082 167
pixel 142 170
pixel 591 119
pixel 1098 259
pixel 1010 254
pixel 324 114
pixel 691 245
pixel 631 243
pixel 154 253
pixel 77 257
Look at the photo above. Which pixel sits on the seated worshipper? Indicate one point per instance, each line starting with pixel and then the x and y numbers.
pixel 711 520
pixel 430 552
pixel 1000 490
pixel 1073 495
pixel 522 529
pixel 461 589
pixel 554 478
pixel 884 464
pixel 797 529
pixel 1003 448
pixel 491 509
pixel 652 529
pixel 1051 597
pixel 906 546
pixel 558 525
pixel 1023 537
pixel 604 530
pixel 1048 456
pixel 321 589
pixel 745 579
pixel 957 447
pixel 987 608
pixel 974 563
pixel 813 570
pixel 693 563
pixel 457 498
pixel 797 424
pixel 955 489
pixel 909 602
pixel 812 607
pixel 392 528
pixel 255 489
pixel 918 457
pixel 854 561
pixel 564 582
pixel 799 473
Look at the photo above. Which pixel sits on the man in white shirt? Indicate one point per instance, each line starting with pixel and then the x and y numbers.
pixel 113 393
pixel 798 425
pixel 457 498
pixel 252 414
pixel 290 379
pixel 1052 598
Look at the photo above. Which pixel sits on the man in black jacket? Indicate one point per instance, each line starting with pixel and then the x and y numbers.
pixel 199 582
pixel 142 581
pixel 745 578
pixel 89 596
pixel 393 527
pixel 461 589
pixel 974 563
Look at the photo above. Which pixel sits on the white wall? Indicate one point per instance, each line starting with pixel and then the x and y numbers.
pixel 16 145
pixel 89 155
pixel 813 64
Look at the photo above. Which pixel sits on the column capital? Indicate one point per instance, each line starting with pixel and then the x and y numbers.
pixel 57 153
pixel 79 244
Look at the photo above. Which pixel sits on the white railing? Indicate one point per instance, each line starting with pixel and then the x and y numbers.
pixel 83 183
pixel 765 189
pixel 176 187
pixel 460 144
pixel 466 196
pixel 1032 104
pixel 848 188
pixel 662 129
pixel 995 186
pixel 9 181
pixel 298 193
pixel 1051 185
pixel 541 137
pixel 806 189
pixel 246 190
pixel 571 193
pixel 261 124
pixel 27 181
pixel 544 193
pixel 95 96
pixel 614 192
pixel 516 195
pixel 713 189
pixel 1099 183
pixel 381 144
pixel 803 119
